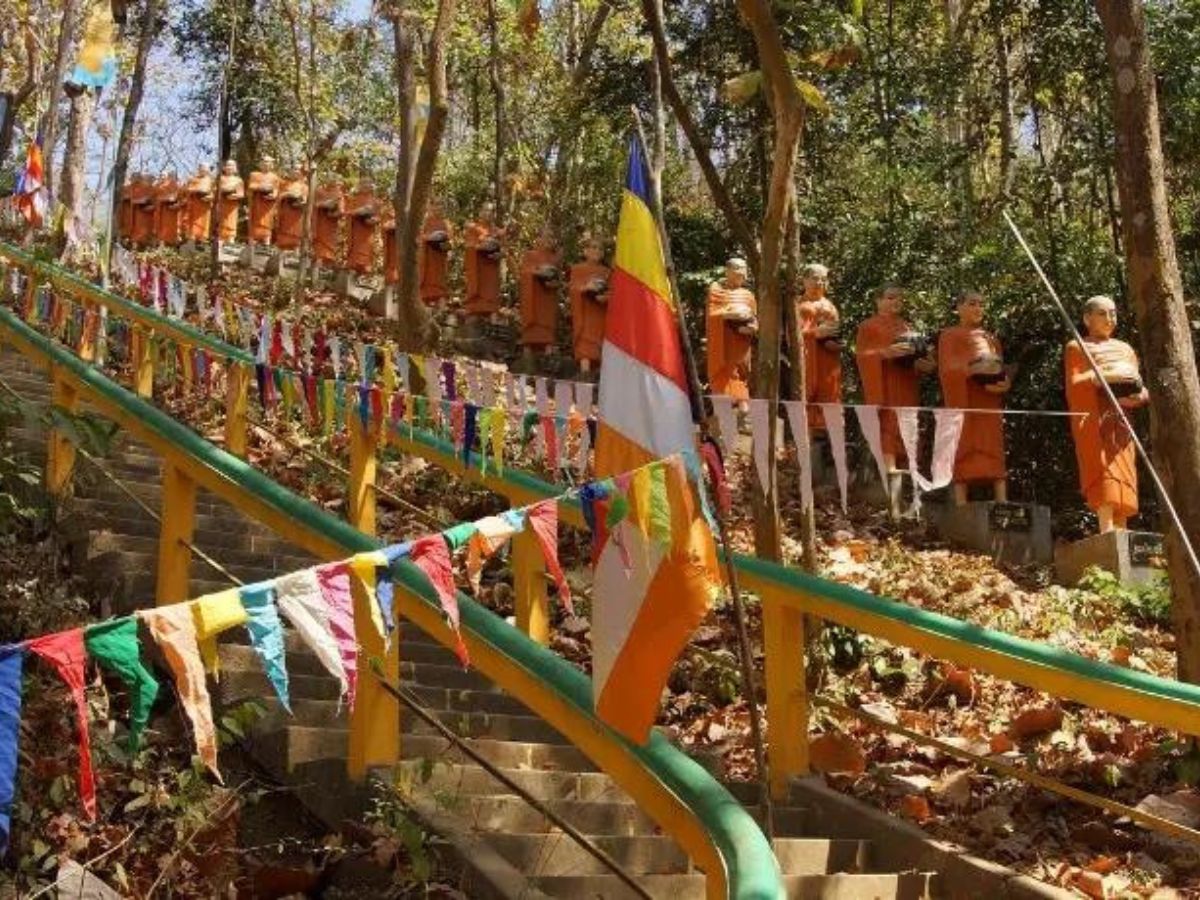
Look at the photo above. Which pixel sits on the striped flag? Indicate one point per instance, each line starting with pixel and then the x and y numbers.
pixel 30 190
pixel 649 598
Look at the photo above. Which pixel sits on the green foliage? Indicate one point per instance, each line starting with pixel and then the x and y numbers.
pixel 1148 604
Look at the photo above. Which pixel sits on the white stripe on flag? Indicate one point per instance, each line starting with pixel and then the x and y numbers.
pixel 643 406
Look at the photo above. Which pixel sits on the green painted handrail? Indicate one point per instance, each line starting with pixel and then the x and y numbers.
pixel 752 872
pixel 786 578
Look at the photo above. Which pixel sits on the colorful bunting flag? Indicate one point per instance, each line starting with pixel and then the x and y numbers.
pixel 12 659
pixel 66 653
pixel 174 628
pixel 301 601
pixel 115 646
pixel 266 636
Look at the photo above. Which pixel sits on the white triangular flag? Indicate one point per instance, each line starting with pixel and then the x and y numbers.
pixel 868 421
pixel 726 422
pixel 584 398
pixel 542 396
pixel 759 416
pixel 562 398
pixel 835 426
pixel 797 413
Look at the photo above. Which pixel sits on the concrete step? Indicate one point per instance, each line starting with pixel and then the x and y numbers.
pixel 433 675
pixel 496 726
pixel 510 813
pixel 686 887
pixel 144 547
pixel 558 854
pixel 492 701
pixel 464 781
pixel 307 745
pixel 236 687
pixel 243 659
pixel 505 754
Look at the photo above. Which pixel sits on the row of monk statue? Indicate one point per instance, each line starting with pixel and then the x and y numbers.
pixel 892 357
pixel 170 212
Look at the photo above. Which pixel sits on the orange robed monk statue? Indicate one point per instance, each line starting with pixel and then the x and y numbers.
pixel 143 199
pixel 589 304
pixel 1104 449
pixel 330 205
pixel 363 211
pixel 974 377
pixel 540 279
pixel 891 359
pixel 232 191
pixel 199 205
pixel 820 327
pixel 731 323
pixel 289 218
pixel 434 260
pixel 125 214
pixel 483 261
pixel 264 200
pixel 169 205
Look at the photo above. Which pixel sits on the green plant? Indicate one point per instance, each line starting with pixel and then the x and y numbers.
pixel 400 838
pixel 1148 603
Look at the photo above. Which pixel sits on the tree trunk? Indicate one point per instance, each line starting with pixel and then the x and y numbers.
pixel 69 24
pixel 1000 47
pixel 32 82
pixel 787 108
pixel 406 100
pixel 83 105
pixel 493 27
pixel 798 381
pixel 742 234
pixel 416 331
pixel 1157 293
pixel 137 87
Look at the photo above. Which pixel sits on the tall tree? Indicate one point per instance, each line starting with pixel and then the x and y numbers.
pixel 1157 293
pixel 30 83
pixel 151 22
pixel 787 112
pixel 67 29
pixel 83 105
pixel 415 329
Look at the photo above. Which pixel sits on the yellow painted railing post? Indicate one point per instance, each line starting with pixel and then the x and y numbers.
pixel 236 389
pixel 361 508
pixel 787 692
pixel 175 533
pixel 60 452
pixel 142 351
pixel 529 587
pixel 375 721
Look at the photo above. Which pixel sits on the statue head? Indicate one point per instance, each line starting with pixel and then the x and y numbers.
pixel 268 163
pixel 890 301
pixel 735 272
pixel 969 306
pixel 546 239
pixel 487 213
pixel 1100 316
pixel 202 170
pixel 230 167
pixel 593 249
pixel 816 281
pixel 434 208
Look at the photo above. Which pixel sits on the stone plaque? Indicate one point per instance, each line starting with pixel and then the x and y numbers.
pixel 1146 549
pixel 1010 517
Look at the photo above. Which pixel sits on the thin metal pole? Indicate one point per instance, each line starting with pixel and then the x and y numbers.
pixel 749 686
pixel 484 763
pixel 1141 449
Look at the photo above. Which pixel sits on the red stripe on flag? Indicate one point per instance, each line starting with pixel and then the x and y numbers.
pixel 644 326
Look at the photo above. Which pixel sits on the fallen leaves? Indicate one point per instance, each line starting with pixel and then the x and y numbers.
pixel 915 807
pixel 837 752
pixel 1033 722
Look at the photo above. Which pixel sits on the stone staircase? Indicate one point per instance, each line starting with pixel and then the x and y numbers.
pixel 507 849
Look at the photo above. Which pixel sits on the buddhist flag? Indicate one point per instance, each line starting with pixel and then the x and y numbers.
pixel 30 190
pixel 648 597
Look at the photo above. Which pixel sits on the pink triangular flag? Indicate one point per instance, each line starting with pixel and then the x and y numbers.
pixel 431 555
pixel 335 588
pixel 543 518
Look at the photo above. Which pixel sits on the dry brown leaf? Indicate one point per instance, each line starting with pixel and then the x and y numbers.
pixel 1090 883
pixel 915 807
pixel 1039 720
pixel 835 752
pixel 955 788
pixel 1001 743
pixel 1103 864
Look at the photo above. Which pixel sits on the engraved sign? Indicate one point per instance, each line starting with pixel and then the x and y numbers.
pixel 1146 549
pixel 1010 517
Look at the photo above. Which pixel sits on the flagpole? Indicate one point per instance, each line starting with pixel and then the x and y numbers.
pixel 695 395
